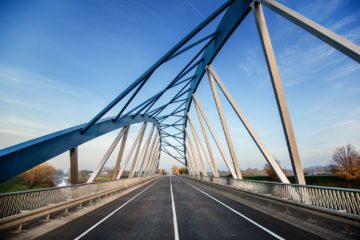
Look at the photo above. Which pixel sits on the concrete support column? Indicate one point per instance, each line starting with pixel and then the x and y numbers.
pixel 74 171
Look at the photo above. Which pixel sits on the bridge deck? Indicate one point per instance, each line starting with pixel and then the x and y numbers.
pixel 201 213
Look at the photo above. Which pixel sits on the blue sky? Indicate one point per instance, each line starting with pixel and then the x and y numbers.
pixel 62 61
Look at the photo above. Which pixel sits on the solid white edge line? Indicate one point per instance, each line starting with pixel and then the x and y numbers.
pixel 112 213
pixel 176 231
pixel 240 214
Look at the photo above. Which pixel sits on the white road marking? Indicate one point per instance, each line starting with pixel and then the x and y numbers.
pixel 240 214
pixel 112 213
pixel 176 232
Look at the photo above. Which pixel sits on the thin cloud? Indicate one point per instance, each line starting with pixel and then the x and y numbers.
pixel 344 22
pixel 21 78
pixel 321 10
pixel 195 9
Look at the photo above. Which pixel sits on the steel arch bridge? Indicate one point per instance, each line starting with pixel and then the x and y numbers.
pixel 190 150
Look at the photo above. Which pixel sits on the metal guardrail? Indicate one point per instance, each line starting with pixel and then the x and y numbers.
pixel 345 200
pixel 15 203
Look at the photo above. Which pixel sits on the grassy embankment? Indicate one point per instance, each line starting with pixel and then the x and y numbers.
pixel 16 184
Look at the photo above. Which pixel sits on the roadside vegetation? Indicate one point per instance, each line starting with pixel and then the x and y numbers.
pixel 176 170
pixel 41 176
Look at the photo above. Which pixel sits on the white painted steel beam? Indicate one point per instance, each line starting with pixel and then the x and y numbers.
pixel 216 139
pixel 107 154
pixel 279 93
pixel 135 160
pixel 120 154
pixel 198 141
pixel 341 44
pixel 148 156
pixel 207 142
pixel 131 152
pixel 189 165
pixel 193 156
pixel 196 153
pixel 266 153
pixel 224 125
pixel 145 150
pixel 156 162
pixel 191 159
pixel 152 158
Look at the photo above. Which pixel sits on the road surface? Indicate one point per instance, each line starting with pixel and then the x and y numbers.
pixel 176 208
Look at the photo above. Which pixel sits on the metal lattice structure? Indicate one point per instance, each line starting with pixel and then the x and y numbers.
pixel 189 148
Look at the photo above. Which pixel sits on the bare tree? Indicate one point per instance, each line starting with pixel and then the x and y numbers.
pixel 345 163
pixel 271 173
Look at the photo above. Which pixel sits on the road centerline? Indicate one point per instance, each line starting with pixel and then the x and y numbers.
pixel 238 213
pixel 113 212
pixel 176 231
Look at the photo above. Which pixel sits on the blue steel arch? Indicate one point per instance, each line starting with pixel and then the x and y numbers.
pixel 21 157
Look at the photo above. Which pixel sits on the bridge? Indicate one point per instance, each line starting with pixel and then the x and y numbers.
pixel 139 203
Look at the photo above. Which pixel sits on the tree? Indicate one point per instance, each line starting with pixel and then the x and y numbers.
pixel 84 175
pixel 183 170
pixel 175 170
pixel 269 171
pixel 59 173
pixel 345 163
pixel 41 174
pixel 161 171
pixel 249 172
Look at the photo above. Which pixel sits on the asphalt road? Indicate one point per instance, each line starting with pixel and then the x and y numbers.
pixel 200 213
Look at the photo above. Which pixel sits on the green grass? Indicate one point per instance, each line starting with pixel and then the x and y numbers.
pixel 13 185
pixel 103 178
pixel 16 184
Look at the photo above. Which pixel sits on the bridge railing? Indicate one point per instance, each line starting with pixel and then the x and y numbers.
pixel 344 200
pixel 17 202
